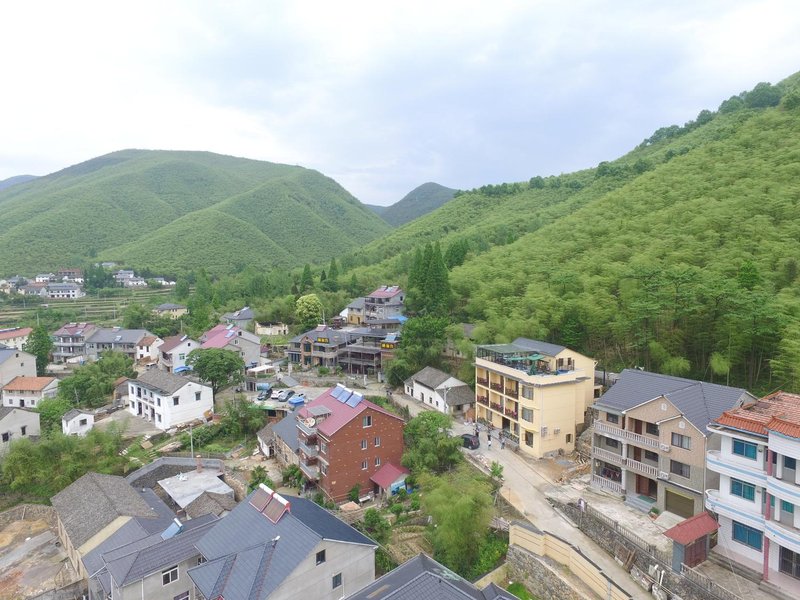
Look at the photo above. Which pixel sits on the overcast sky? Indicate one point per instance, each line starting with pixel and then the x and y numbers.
pixel 381 96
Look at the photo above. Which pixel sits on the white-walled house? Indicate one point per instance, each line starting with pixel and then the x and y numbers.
pixel 77 422
pixel 15 363
pixel 440 391
pixel 27 392
pixel 173 352
pixel 168 400
pixel 16 423
pixel 15 337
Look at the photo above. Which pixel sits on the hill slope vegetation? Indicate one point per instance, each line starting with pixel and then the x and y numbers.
pixel 172 211
pixel 418 202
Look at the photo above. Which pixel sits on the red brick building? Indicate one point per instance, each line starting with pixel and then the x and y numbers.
pixel 344 440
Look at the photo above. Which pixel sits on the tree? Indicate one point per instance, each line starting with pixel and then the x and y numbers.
pixel 181 288
pixel 307 279
pixel 136 316
pixel 762 96
pixel 331 284
pixel 429 446
pixel 376 526
pixel 40 344
pixel 92 384
pixel 421 345
pixel 203 290
pixel 217 366
pixel 50 412
pixel 258 476
pixel 308 311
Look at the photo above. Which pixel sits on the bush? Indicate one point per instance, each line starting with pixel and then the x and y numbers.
pixel 402 495
pixel 319 498
pixel 383 562
pixel 322 371
pixel 396 509
pixel 520 591
pixel 415 501
pixel 355 493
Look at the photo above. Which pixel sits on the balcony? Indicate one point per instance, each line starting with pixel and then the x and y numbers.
pixel 310 471
pixel 308 431
pixel 608 485
pixel 496 406
pixel 309 451
pixel 623 434
pixel 735 467
pixel 641 468
pixel 483 400
pixel 483 382
pixel 734 508
pixel 497 387
pixel 608 456
pixel 511 413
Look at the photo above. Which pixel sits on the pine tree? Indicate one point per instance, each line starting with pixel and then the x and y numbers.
pixel 307 280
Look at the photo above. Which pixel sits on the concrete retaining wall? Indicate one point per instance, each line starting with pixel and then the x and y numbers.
pixel 28 512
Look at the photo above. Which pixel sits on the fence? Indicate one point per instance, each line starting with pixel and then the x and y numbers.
pixel 639 542
pixel 708 584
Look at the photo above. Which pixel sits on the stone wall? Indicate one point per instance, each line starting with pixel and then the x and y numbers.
pixel 28 512
pixel 538 576
pixel 161 468
pixel 616 544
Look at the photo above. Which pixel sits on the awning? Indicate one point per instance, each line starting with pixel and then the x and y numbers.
pixel 182 369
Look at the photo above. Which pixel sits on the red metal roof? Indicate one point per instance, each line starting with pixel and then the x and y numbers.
pixel 219 336
pixel 692 529
pixel 388 474
pixel 386 291
pixel 7 334
pixel 172 342
pixel 779 412
pixel 340 414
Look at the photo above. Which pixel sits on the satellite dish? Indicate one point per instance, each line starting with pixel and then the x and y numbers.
pixel 309 422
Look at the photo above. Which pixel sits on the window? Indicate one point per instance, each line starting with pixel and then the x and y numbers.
pixel 569 438
pixel 23 429
pixel 6 437
pixel 650 455
pixel 681 441
pixel 158 401
pixel 651 428
pixel 364 465
pixel 612 443
pixel 158 418
pixel 612 418
pixel 323 468
pixel 789 562
pixel 529 438
pixel 377 461
pixel 377 441
pixel 197 396
pixel 527 415
pixel 169 575
pixel 320 557
pixel 789 462
pixel 527 392
pixel 363 444
pixel 182 596
pixel 201 559
pixel 746 449
pixel 366 421
pixel 747 535
pixel 323 447
pixel 181 356
pixel 787 507
pixel 82 422
pixel 336 581
pixel 743 489
pixel 175 400
pixel 679 468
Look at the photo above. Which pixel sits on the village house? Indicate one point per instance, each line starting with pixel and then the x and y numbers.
pixel 272 329
pixel 319 347
pixel 440 391
pixel 354 312
pixel 282 548
pixel 650 439
pixel 168 309
pixel 126 341
pixel 69 342
pixel 757 500
pixel 15 337
pixel 77 422
pixel 234 338
pixel 28 392
pixel 534 393
pixel 240 318
pixel 15 363
pixel 64 291
pixel 173 353
pixel 344 440
pixel 17 423
pixel 168 400
pixel 384 303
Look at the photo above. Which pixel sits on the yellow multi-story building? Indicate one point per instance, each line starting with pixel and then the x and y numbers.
pixel 534 393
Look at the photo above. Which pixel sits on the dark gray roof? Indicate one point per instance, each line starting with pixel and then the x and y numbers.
pixel 6 353
pixel 422 578
pixel 168 383
pixel 357 303
pixel 210 503
pixel 169 306
pixel 109 335
pixel 430 377
pixel 93 501
pixel 245 564
pixel 286 430
pixel 545 348
pixel 460 395
pixel 335 336
pixel 265 433
pixel 245 314
pixel 700 402
pixel 74 412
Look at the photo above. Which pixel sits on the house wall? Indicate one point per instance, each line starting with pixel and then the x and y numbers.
pixel 345 456
pixel 19 364
pixel 249 351
pixel 12 425
pixel 16 341
pixel 29 398
pixel 152 588
pixel 428 397
pixel 74 427
pixel 169 415
pixel 177 356
pixel 355 562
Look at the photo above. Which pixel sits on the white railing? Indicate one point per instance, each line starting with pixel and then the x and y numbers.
pixel 636 438
pixel 607 456
pixel 640 467
pixel 607 484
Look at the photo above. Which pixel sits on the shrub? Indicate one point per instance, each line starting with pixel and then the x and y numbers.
pixel 396 509
pixel 322 371
pixel 355 493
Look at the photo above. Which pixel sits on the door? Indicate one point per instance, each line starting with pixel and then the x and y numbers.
pixel 678 504
pixel 695 552
pixel 637 426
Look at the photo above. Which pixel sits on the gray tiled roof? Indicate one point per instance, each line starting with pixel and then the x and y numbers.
pixel 286 430
pixel 459 395
pixel 699 401
pixel 93 501
pixel 169 306
pixel 209 503
pixel 156 379
pixel 335 336
pixel 430 377
pixel 422 578
pixel 6 353
pixel 545 348
pixel 74 412
pixel 244 564
pixel 109 335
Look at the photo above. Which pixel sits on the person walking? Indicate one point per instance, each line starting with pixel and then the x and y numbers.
pixel 502 443
pixel 490 441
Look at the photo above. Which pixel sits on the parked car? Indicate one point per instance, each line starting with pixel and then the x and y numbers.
pixel 276 394
pixel 263 395
pixel 285 395
pixel 471 441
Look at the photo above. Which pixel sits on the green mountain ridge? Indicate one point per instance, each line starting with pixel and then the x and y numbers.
pixel 418 202
pixel 159 209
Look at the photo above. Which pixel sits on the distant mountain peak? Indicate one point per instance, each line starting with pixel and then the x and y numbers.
pixel 418 202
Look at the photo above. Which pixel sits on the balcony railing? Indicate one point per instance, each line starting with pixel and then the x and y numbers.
pixel 607 484
pixel 511 392
pixel 309 431
pixel 511 413
pixel 309 471
pixel 309 451
pixel 637 438
pixel 608 456
pixel 496 406
pixel 483 382
pixel 497 387
pixel 642 468
pixel 483 400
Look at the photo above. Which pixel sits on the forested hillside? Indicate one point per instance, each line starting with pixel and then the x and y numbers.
pixel 419 201
pixel 175 211
pixel 681 256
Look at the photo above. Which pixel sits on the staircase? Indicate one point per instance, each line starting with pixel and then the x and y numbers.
pixel 641 503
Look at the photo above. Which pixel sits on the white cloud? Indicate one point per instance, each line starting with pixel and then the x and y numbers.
pixel 380 96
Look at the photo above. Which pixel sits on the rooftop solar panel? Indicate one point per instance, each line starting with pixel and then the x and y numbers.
pixel 337 391
pixel 260 499
pixel 353 400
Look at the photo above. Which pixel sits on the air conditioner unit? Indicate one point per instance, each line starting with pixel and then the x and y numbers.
pixel 664 447
pixel 556 431
pixel 543 431
pixel 663 475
